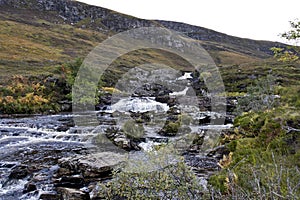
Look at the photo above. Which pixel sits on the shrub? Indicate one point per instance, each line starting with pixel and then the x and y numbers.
pixel 23 95
pixel 158 175
pixel 170 128
pixel 133 130
pixel 260 96
pixel 272 177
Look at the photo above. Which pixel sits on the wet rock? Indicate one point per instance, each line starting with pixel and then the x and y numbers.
pixel 122 142
pixel 151 90
pixel 7 165
pixel 197 141
pixel 65 106
pixel 63 128
pixel 229 119
pixel 163 99
pixel 118 138
pixel 49 196
pixel 231 104
pixel 19 172
pixel 135 145
pixel 141 117
pixel 29 187
pixel 172 102
pixel 218 152
pixel 201 163
pixel 127 140
pixel 74 181
pixel 169 100
pixel 72 194
pixel 173 112
pixel 205 120
pixel 104 101
pixel 204 103
pixel 159 139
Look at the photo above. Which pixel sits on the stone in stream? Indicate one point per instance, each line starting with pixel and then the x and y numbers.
pixel 125 139
pixel 73 181
pixel 72 194
pixel 141 117
pixel 151 90
pixel 19 172
pixel 29 187
pixel 83 169
pixel 49 196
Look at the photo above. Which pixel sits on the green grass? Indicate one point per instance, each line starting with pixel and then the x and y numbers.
pixel 30 38
pixel 36 45
pixel 265 150
pixel 237 77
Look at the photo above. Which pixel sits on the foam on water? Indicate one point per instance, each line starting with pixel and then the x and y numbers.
pixel 148 146
pixel 187 75
pixel 9 191
pixel 180 93
pixel 141 105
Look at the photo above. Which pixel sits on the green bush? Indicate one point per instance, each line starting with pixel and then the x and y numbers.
pixel 260 96
pixel 159 175
pixel 170 128
pixel 86 91
pixel 23 95
pixel 133 130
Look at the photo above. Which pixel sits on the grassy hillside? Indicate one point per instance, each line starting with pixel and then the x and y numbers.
pixel 32 43
pixel 35 39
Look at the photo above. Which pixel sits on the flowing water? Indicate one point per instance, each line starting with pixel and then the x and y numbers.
pixel 39 141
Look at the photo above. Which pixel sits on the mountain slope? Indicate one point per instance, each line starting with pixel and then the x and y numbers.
pixel 39 34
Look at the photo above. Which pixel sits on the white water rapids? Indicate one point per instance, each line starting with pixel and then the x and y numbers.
pixel 58 132
pixel 140 105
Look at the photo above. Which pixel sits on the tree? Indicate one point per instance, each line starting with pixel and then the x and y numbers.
pixel 291 54
pixel 294 33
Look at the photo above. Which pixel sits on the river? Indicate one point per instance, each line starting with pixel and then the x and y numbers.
pixel 31 147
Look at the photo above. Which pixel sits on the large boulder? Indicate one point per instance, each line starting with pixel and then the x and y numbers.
pixel 90 166
pixel 81 170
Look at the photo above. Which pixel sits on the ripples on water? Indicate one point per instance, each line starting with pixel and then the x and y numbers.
pixel 21 139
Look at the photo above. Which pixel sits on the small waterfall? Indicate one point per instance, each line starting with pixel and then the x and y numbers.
pixel 139 105
pixel 180 93
pixel 187 75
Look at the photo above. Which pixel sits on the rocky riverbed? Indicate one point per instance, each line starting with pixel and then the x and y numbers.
pixel 52 157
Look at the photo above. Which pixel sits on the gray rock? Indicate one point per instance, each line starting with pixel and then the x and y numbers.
pixel 49 196
pixel 218 152
pixel 19 172
pixel 72 194
pixel 93 166
pixel 75 181
pixel 29 187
